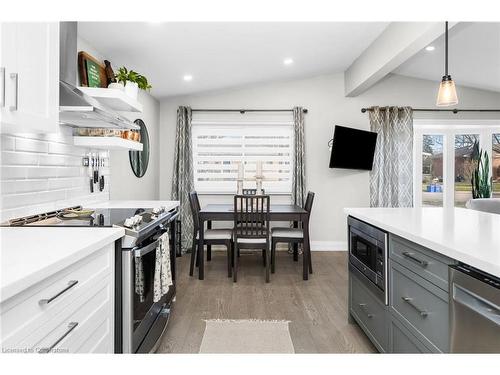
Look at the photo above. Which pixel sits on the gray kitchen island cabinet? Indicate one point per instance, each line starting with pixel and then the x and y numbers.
pixel 416 318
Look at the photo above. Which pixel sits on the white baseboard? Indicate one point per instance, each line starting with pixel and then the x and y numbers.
pixel 328 246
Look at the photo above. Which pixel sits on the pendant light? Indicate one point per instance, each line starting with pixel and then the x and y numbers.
pixel 447 94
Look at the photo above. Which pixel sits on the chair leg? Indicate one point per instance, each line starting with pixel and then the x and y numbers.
pixel 235 257
pixel 310 260
pixel 273 256
pixel 268 260
pixel 264 257
pixel 229 245
pixel 194 251
pixel 209 253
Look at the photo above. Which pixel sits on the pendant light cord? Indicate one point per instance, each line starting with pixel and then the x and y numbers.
pixel 446 49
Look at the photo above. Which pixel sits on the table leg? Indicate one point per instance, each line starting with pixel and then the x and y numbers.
pixel 295 245
pixel 201 256
pixel 306 249
pixel 209 247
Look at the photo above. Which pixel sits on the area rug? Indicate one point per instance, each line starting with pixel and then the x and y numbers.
pixel 246 336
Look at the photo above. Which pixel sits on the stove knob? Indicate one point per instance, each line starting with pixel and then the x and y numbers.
pixel 129 223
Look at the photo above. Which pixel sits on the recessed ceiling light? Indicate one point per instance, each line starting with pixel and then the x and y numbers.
pixel 430 48
pixel 188 77
pixel 288 61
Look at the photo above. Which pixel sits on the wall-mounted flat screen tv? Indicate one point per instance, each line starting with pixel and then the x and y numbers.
pixel 352 148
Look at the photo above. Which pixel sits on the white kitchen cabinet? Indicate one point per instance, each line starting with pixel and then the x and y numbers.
pixel 29 77
pixel 70 311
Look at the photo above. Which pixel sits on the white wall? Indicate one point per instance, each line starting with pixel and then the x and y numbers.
pixel 324 97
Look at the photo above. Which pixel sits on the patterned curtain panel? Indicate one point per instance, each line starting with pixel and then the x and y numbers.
pixel 299 161
pixel 391 179
pixel 182 179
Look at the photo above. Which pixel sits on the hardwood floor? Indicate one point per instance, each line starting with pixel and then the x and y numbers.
pixel 317 308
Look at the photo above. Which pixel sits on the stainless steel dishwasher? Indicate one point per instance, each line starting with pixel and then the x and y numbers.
pixel 474 311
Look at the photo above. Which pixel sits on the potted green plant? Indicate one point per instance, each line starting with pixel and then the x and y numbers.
pixel 132 81
pixel 481 180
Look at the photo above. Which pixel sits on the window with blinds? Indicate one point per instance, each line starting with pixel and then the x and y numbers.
pixel 218 146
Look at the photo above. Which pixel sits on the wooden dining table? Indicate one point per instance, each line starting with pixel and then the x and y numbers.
pixel 277 212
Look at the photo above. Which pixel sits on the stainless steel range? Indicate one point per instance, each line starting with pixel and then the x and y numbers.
pixel 139 321
pixel 145 321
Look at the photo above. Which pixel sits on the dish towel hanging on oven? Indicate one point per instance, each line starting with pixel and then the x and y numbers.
pixel 163 271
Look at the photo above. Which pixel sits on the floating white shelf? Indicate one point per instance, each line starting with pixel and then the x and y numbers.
pixel 107 143
pixel 113 98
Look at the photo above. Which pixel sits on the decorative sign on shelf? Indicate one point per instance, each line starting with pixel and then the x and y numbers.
pixel 91 70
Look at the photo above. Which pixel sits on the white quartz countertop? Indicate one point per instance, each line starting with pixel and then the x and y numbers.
pixel 469 236
pixel 29 255
pixel 137 204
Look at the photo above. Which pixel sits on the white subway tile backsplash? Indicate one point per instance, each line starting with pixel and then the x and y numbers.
pixel 43 172
pixel 32 145
pixel 7 142
pixel 65 149
pixel 48 159
pixel 65 183
pixel 19 158
pixel 24 186
pixel 12 172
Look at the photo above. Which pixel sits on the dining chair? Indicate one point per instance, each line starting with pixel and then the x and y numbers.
pixel 292 236
pixel 251 191
pixel 210 236
pixel 251 227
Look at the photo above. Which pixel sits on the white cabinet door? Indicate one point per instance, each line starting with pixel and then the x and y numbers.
pixel 29 77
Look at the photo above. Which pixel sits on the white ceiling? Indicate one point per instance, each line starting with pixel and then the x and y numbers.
pixel 474 57
pixel 222 55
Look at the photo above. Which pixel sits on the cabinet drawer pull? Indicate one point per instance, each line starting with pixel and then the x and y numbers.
pixel 364 308
pixel 15 77
pixel 71 327
pixel 409 300
pixel 2 88
pixel 46 301
pixel 423 263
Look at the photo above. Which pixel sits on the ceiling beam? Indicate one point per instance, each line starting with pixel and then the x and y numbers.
pixel 397 43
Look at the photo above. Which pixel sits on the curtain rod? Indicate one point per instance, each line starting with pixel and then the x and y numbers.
pixel 455 110
pixel 245 110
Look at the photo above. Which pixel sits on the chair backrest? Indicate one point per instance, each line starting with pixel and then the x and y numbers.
pixel 251 216
pixel 309 202
pixel 194 202
pixel 251 191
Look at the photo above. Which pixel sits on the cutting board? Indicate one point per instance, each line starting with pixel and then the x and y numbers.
pixel 91 71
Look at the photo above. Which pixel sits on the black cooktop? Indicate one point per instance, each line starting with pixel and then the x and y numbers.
pixel 100 218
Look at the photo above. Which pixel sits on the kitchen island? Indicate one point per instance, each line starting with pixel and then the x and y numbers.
pixel 403 304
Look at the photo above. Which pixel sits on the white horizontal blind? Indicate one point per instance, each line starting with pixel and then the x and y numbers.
pixel 220 143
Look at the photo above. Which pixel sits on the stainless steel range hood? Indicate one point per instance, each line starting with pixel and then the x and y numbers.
pixel 75 107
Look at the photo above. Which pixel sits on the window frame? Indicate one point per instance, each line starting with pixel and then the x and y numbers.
pixel 226 122
pixel 448 128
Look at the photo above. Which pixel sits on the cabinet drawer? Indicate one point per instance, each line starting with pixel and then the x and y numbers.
pixel 426 263
pixel 421 304
pixel 33 307
pixel 403 340
pixel 83 326
pixel 368 311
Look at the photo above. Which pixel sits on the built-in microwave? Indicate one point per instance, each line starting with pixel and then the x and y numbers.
pixel 368 254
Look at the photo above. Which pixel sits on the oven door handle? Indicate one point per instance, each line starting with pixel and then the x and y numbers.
pixel 140 252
